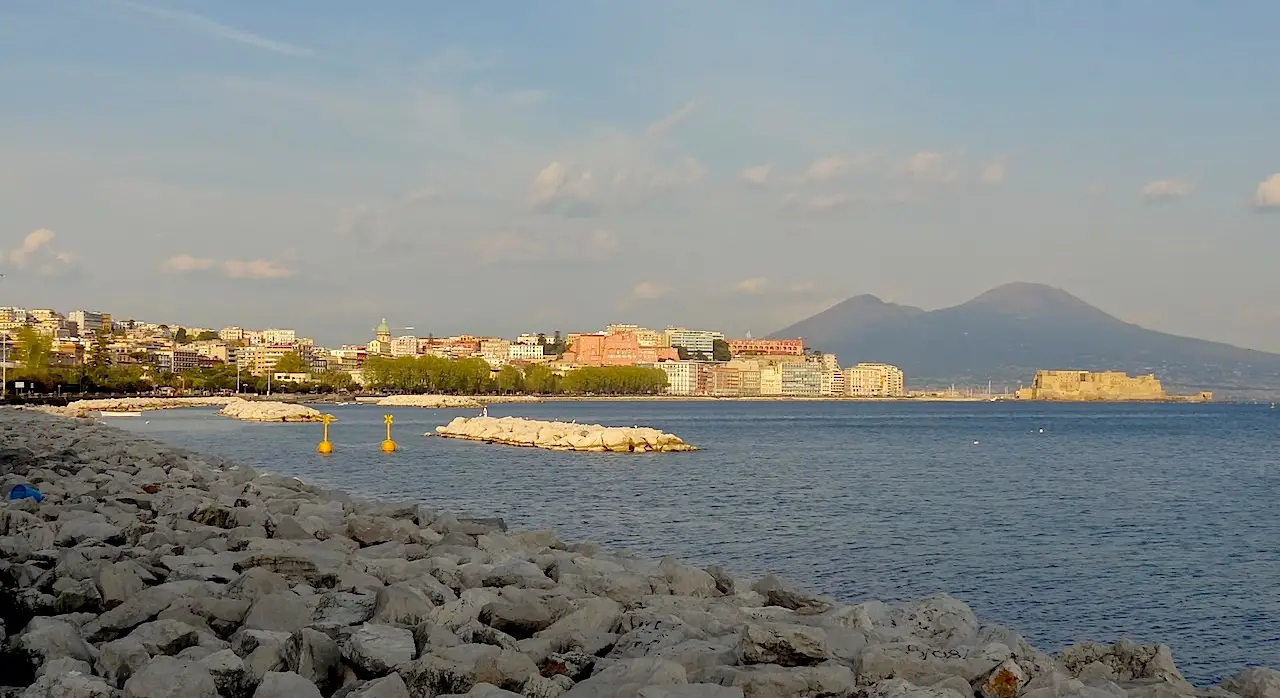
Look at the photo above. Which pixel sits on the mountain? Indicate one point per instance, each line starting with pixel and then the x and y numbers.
pixel 1008 333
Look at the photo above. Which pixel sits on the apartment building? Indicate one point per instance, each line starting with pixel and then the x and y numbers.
pixel 833 383
pixel 621 349
pixel 682 376
pixel 766 347
pixel 526 352
pixel 279 336
pixel 89 322
pixel 231 334
pixel 213 349
pixel 404 346
pixel 801 379
pixel 175 360
pixel 692 341
pixel 260 359
pixel 874 380
pixel 495 352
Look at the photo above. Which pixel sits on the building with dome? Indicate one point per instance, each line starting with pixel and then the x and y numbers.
pixel 381 344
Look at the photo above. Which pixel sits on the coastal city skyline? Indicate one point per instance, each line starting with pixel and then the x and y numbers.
pixel 738 165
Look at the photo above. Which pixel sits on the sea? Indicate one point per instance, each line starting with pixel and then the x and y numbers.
pixel 1065 522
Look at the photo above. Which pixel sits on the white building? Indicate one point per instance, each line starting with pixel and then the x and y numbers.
pixel 87 321
pixel 404 346
pixel 279 336
pixel 525 352
pixel 693 341
pixel 833 382
pixel 231 334
pixel 682 376
pixel 874 380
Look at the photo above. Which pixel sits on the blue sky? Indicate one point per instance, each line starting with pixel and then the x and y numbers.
pixel 499 167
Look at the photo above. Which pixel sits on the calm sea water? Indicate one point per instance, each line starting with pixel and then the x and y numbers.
pixel 1156 522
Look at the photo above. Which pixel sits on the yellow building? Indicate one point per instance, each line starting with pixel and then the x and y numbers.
pixel 874 380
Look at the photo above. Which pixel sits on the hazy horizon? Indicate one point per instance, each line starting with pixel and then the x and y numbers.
pixel 500 168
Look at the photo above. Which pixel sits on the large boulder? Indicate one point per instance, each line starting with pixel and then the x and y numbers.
pixel 1126 659
pixel 286 684
pixel 783 644
pixel 1255 682
pixel 167 677
pixel 284 612
pixel 376 650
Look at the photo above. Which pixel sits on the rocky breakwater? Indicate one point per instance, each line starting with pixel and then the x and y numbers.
pixel 450 401
pixel 87 408
pixel 263 411
pixel 562 436
pixel 150 572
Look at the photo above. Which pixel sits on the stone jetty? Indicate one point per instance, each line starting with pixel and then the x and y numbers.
pixel 562 436
pixel 450 401
pixel 87 408
pixel 151 572
pixel 266 411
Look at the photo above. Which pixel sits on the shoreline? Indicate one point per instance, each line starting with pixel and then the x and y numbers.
pixel 149 566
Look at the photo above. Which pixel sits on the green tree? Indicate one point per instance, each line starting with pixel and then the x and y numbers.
pixel 181 336
pixel 292 362
pixel 538 380
pixel 100 352
pixel 720 350
pixel 206 336
pixel 510 380
pixel 34 352
pixel 615 380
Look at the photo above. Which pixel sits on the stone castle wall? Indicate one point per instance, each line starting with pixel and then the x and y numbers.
pixel 1088 386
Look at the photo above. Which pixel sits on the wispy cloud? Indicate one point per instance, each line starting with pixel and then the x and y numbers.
pixel 1267 197
pixel 931 167
pixel 753 286
pixel 664 125
pixel 758 175
pixel 994 173
pixel 231 268
pixel 649 290
pixel 1165 190
pixel 210 27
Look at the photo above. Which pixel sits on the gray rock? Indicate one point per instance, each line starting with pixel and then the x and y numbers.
pixel 458 669
pixel 783 644
pixel 284 612
pixel 687 581
pixel 484 690
pixel 229 673
pixel 166 677
pixel 47 639
pixel 401 604
pixel 625 678
pixel 768 681
pixel 286 684
pixel 690 690
pixel 255 583
pixel 288 528
pixel 165 637
pixel 338 609
pixel 119 582
pixel 779 593
pixel 428 635
pixel 315 657
pixel 940 620
pixel 914 660
pixel 80 530
pixel 377 649
pixel 69 685
pixel 724 581
pixel 82 595
pixel 134 611
pixel 391 686
pixel 1127 660
pixel 64 665
pixel 1255 682
pixel 118 659
pixel 519 620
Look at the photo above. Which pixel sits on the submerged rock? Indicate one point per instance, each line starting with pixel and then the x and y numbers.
pixel 562 436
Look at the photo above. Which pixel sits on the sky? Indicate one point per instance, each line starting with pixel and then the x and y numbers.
pixel 498 167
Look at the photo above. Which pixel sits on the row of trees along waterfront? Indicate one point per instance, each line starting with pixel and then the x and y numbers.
pixel 433 374
pixel 34 358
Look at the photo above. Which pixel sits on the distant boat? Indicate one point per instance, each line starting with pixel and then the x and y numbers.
pixel 119 413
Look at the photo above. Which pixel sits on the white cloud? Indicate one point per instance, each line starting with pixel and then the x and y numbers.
pixel 826 168
pixel 817 203
pixel 648 290
pixel 231 268
pixel 210 27
pixel 753 286
pixel 1165 190
pixel 994 173
pixel 254 269
pixel 546 247
pixel 418 196
pixel 1268 195
pixel 35 252
pixel 758 175
pixel 663 126
pixel 930 167
pixel 684 173
pixel 182 263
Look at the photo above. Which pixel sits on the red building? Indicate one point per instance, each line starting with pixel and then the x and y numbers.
pixel 766 347
pixel 621 349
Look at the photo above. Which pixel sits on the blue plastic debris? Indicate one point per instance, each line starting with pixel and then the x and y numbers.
pixel 25 492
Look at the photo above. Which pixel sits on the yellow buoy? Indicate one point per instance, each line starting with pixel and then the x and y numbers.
pixel 325 447
pixel 388 445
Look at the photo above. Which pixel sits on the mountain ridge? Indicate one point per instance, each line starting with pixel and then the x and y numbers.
pixel 1008 332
